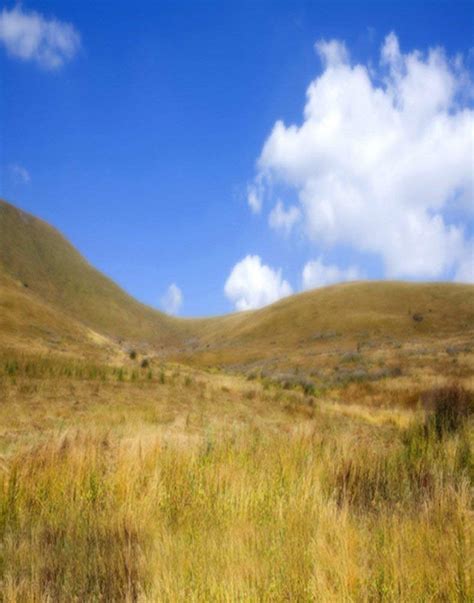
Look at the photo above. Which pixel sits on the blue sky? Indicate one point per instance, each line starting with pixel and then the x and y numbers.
pixel 138 133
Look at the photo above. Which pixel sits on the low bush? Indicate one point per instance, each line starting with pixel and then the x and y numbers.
pixel 448 407
pixel 351 357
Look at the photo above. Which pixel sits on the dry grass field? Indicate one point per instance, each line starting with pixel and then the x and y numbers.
pixel 168 483
pixel 319 449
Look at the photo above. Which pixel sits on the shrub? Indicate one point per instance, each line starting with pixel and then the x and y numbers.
pixel 448 407
pixel 132 354
pixel 308 387
pixel 395 371
pixel 145 363
pixel 344 376
pixel 386 373
pixel 288 381
pixel 11 367
pixel 351 357
pixel 284 380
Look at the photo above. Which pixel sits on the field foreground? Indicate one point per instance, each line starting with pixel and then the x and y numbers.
pixel 168 483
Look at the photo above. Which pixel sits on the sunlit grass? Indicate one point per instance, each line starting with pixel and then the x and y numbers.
pixel 200 486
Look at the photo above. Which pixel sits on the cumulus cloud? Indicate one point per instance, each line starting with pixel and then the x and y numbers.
pixel 382 160
pixel 332 52
pixel 19 173
pixel 29 36
pixel 465 271
pixel 172 300
pixel 282 219
pixel 252 284
pixel 318 274
pixel 255 195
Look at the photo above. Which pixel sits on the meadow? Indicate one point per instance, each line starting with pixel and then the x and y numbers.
pixel 153 481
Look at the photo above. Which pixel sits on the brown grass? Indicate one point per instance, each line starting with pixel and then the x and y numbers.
pixel 202 486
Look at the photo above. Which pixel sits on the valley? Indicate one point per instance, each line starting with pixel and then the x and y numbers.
pixel 317 449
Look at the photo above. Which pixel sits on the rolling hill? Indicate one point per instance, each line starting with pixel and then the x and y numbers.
pixel 334 422
pixel 344 316
pixel 48 287
pixel 37 256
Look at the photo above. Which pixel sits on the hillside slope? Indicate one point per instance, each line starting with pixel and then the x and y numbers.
pixel 344 316
pixel 31 326
pixel 41 268
pixel 37 255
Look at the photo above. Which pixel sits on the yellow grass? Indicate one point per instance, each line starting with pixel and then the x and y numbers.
pixel 277 455
pixel 192 486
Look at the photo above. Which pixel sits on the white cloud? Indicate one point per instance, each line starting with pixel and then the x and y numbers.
pixel 380 159
pixel 255 195
pixel 254 200
pixel 465 271
pixel 172 300
pixel 318 274
pixel 19 173
pixel 333 53
pixel 29 36
pixel 252 284
pixel 284 219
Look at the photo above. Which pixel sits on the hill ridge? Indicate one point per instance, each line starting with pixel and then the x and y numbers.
pixel 36 254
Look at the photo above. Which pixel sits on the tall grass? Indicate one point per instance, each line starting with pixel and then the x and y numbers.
pixel 16 366
pixel 318 514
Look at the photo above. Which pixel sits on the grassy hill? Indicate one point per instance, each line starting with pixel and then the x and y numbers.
pixel 43 261
pixel 30 325
pixel 39 261
pixel 333 455
pixel 347 316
